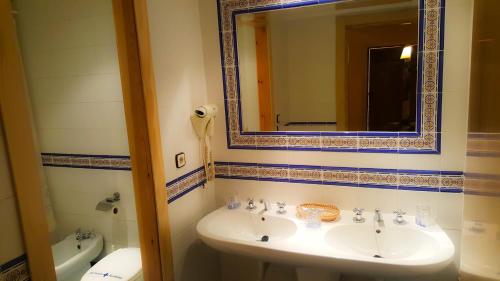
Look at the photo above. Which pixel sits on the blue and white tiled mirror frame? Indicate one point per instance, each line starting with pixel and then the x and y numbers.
pixel 425 140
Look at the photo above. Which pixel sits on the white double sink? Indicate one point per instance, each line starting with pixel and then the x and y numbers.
pixel 345 246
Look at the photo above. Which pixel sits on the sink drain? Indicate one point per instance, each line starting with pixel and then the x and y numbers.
pixel 264 238
pixel 377 256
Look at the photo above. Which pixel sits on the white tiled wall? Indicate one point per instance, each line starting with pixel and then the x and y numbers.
pixel 454 123
pixel 71 64
pixel 178 58
pixel 11 243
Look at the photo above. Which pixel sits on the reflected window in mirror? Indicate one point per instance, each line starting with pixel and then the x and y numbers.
pixel 332 67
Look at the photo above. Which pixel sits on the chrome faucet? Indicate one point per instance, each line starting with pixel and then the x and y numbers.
pixel 378 217
pixel 358 215
pixel 266 208
pixel 251 206
pixel 281 208
pixel 399 220
pixel 83 235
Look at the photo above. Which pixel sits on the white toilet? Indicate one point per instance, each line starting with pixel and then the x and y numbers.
pixel 123 264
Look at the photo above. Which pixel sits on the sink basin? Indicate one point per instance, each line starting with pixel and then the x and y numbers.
pixel 398 250
pixel 246 226
pixel 404 243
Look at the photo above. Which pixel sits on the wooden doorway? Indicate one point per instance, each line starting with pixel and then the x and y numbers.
pixel 139 96
pixel 392 89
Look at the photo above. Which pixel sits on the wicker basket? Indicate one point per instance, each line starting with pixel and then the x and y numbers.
pixel 330 212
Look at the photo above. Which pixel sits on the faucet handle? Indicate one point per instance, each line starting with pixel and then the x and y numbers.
pixel 281 208
pixel 251 204
pixel 399 217
pixel 358 211
pixel 358 215
pixel 78 234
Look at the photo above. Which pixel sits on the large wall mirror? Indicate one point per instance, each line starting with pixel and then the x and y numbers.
pixel 357 75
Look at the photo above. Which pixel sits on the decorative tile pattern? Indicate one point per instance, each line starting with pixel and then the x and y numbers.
pixel 417 180
pixel 425 140
pixel 186 183
pixel 15 270
pixel 452 183
pixel 85 161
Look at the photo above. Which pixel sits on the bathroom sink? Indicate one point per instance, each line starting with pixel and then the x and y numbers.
pixel 247 226
pixel 344 246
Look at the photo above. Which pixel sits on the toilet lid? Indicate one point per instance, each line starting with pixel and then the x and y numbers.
pixel 122 264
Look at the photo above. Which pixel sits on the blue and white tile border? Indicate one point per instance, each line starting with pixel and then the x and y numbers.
pixel 416 180
pixel 15 270
pixel 185 183
pixel 425 140
pixel 86 161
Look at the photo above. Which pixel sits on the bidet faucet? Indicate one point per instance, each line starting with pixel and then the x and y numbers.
pixel 83 235
pixel 377 217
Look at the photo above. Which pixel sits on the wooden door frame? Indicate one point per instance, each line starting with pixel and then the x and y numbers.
pixel 24 158
pixel 266 115
pixel 138 87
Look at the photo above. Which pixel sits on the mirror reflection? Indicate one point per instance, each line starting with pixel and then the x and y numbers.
pixel 70 57
pixel 348 66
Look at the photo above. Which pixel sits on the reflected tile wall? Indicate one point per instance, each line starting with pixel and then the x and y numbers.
pixel 481 227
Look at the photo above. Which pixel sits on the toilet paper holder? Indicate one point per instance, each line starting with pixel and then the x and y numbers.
pixel 108 203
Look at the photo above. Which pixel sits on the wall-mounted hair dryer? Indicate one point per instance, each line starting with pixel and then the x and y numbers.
pixel 203 120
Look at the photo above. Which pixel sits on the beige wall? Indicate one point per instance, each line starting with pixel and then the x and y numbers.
pixel 303 68
pixel 178 60
pixel 486 58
